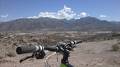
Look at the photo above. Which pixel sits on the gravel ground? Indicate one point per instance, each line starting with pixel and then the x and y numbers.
pixel 87 54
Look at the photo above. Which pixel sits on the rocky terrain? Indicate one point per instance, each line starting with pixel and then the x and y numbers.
pixel 97 49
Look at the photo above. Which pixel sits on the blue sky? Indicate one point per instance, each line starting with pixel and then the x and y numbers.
pixel 102 9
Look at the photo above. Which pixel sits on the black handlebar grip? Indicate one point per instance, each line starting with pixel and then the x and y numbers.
pixel 28 49
pixel 51 48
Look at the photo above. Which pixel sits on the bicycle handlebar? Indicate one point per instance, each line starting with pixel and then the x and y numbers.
pixel 35 48
pixel 39 51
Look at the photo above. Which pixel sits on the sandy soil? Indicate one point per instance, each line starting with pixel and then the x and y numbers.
pixel 87 54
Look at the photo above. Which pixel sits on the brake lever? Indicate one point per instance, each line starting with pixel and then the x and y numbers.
pixel 25 58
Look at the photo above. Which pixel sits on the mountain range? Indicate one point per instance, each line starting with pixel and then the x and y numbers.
pixel 51 24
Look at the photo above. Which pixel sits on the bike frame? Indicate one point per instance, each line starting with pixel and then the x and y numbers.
pixel 63 65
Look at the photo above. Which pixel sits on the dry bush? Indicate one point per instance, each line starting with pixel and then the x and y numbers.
pixel 1 57
pixel 116 47
pixel 11 54
pixel 115 34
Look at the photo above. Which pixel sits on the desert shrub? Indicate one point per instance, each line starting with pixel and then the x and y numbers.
pixel 115 34
pixel 115 47
pixel 10 54
pixel 1 57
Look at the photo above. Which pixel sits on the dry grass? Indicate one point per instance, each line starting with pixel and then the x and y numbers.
pixel 116 47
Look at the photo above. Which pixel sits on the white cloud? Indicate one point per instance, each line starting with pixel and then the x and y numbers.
pixel 47 14
pixel 4 16
pixel 102 16
pixel 83 14
pixel 65 13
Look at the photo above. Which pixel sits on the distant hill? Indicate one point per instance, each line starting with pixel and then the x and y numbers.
pixel 50 24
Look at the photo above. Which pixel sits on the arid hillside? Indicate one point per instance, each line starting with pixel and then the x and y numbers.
pixel 97 49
